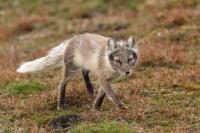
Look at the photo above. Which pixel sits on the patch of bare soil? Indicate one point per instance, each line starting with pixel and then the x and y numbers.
pixel 65 121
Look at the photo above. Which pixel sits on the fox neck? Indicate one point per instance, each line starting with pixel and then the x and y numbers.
pixel 107 71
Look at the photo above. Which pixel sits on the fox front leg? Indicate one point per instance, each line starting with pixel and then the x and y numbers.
pixel 89 86
pixel 106 86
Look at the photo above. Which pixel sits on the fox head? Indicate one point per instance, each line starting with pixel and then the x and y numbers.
pixel 122 55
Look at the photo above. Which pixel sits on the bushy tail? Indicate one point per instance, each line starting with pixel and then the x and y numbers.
pixel 53 59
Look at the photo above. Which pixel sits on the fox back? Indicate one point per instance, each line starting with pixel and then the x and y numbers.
pixel 104 55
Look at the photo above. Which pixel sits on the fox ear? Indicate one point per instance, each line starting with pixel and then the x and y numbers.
pixel 111 45
pixel 131 42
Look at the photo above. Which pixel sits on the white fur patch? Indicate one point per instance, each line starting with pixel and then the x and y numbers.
pixel 135 49
pixel 90 62
pixel 121 43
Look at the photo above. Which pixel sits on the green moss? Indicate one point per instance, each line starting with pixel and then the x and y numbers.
pixel 5 130
pixel 191 3
pixel 155 120
pixel 120 79
pixel 188 86
pixel 41 119
pixel 90 8
pixel 133 4
pixel 104 127
pixel 25 87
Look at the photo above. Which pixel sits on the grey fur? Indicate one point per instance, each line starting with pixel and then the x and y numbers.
pixel 123 59
pixel 93 54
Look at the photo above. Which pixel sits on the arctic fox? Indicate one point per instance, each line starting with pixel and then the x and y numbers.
pixel 101 56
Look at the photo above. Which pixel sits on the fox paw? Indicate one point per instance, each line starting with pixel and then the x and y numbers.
pixel 60 107
pixel 122 108
pixel 96 112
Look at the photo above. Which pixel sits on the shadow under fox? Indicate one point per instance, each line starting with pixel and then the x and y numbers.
pixel 101 56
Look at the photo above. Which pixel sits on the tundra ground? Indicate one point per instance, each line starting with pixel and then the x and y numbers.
pixel 163 94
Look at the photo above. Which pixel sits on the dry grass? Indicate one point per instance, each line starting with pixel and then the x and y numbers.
pixel 163 95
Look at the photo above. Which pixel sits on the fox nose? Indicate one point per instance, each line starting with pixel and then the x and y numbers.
pixel 127 73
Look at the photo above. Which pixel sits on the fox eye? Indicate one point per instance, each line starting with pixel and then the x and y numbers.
pixel 130 59
pixel 117 60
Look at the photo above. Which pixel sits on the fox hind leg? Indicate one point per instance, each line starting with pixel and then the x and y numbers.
pixel 69 71
pixel 89 86
pixel 61 94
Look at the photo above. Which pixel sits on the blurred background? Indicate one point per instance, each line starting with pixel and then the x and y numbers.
pixel 61 18
pixel 162 95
